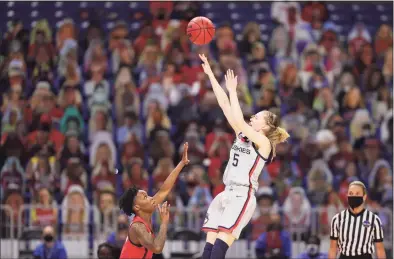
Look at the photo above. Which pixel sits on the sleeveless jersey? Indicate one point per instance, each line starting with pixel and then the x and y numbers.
pixel 245 164
pixel 136 251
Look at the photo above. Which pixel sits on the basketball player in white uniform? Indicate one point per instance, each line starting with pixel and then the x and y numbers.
pixel 254 146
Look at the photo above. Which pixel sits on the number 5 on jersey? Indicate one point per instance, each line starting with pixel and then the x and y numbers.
pixel 235 159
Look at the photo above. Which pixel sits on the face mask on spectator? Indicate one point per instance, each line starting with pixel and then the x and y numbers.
pixel 48 238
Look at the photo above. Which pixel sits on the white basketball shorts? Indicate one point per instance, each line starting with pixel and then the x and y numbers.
pixel 231 210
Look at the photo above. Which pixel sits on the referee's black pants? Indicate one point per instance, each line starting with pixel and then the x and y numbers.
pixel 364 256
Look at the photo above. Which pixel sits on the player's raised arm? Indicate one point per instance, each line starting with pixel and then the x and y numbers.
pixel 254 136
pixel 169 182
pixel 220 94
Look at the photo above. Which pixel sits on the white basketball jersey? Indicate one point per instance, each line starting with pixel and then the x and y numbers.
pixel 245 164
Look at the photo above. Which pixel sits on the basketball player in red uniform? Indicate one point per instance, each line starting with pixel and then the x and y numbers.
pixel 141 243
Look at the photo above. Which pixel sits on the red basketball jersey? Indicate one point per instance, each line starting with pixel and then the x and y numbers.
pixel 134 251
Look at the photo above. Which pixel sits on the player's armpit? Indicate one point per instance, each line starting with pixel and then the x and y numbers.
pixel 146 239
pixel 143 236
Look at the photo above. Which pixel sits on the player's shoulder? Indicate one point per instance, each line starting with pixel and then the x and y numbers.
pixel 137 227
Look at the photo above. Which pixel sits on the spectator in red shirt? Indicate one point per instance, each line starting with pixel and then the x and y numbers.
pixel 132 148
pixel 45 134
pixel 44 212
pixel 265 210
pixel 358 37
pixel 147 35
pixel 73 174
pixel 161 12
pixel 175 39
pixel 162 171
pixel 103 177
pixel 215 174
pixel 42 102
pixel 73 148
pixel 218 131
pixel 317 9
pixel 13 145
pixel 383 39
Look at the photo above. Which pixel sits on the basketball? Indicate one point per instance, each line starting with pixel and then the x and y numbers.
pixel 200 30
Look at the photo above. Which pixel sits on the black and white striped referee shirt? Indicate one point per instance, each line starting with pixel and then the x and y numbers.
pixel 356 233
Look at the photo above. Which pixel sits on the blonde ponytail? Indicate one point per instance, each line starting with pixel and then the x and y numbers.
pixel 279 135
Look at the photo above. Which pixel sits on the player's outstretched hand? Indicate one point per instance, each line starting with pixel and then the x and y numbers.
pixel 185 159
pixel 205 65
pixel 164 211
pixel 231 80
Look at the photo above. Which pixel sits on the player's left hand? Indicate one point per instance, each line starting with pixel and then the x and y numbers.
pixel 231 80
pixel 185 159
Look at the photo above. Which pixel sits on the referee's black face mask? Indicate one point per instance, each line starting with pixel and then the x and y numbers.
pixel 355 201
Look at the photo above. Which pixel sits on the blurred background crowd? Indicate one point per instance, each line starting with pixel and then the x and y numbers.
pixel 101 101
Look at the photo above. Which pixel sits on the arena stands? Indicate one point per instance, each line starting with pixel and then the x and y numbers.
pixel 99 96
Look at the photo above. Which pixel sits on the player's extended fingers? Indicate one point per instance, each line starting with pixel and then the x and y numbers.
pixel 203 58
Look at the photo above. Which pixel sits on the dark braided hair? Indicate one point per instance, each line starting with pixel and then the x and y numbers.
pixel 126 201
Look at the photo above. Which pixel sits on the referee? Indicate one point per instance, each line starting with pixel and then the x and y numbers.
pixel 354 231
